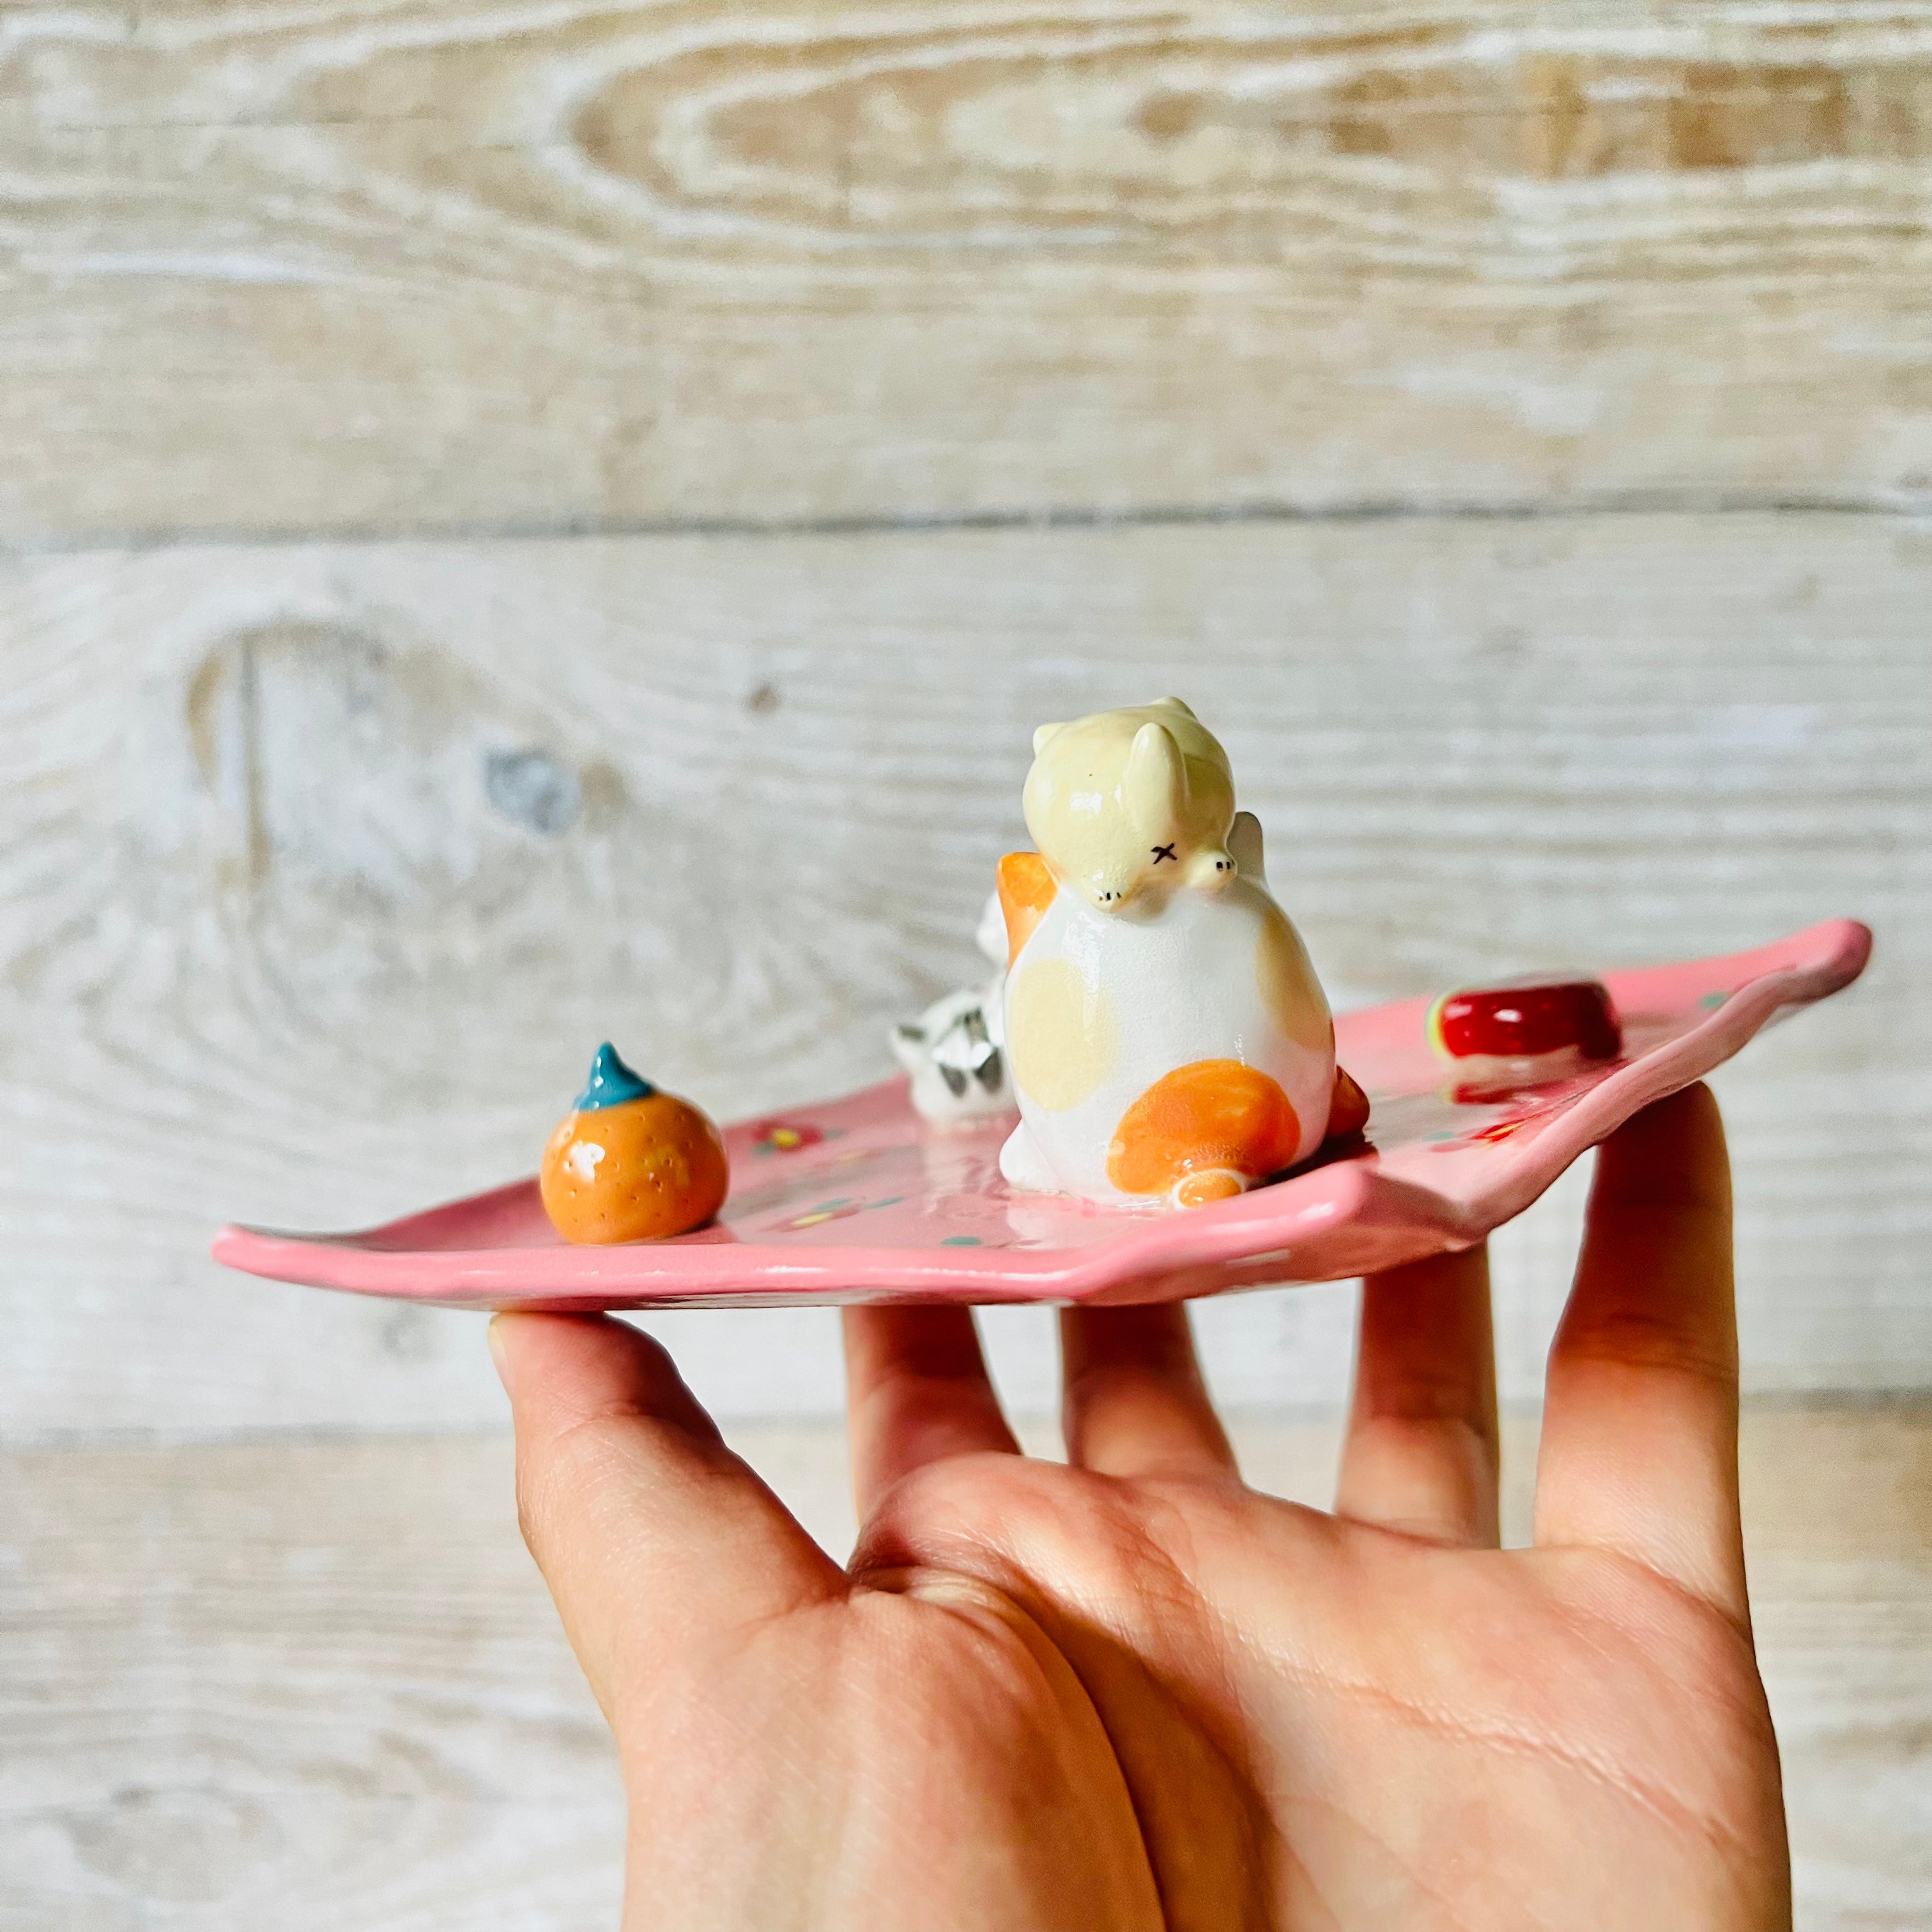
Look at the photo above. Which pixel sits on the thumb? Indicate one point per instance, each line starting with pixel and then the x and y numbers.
pixel 650 1533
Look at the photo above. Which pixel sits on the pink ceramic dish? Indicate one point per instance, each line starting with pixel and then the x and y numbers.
pixel 857 1200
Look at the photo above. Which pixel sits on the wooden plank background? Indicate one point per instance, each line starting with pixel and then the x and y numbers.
pixel 318 1685
pixel 382 265
pixel 269 915
pixel 523 522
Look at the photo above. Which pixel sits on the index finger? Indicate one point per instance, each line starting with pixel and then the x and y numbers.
pixel 649 1530
pixel 1639 1449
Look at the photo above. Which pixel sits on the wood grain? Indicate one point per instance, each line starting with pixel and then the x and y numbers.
pixel 318 1685
pixel 322 869
pixel 421 265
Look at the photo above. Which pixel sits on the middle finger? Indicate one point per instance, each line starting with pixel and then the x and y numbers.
pixel 917 1391
pixel 1134 1402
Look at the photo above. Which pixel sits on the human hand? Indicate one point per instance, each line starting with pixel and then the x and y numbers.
pixel 1129 1692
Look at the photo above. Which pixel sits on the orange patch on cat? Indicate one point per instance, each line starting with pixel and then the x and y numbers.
pixel 1216 1184
pixel 1215 1115
pixel 1026 890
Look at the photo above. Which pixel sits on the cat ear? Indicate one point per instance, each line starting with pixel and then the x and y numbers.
pixel 1171 704
pixel 1154 787
pixel 1244 845
pixel 1042 735
pixel 1026 889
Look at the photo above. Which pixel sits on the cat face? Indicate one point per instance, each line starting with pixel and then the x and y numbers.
pixel 1124 803
pixel 952 1051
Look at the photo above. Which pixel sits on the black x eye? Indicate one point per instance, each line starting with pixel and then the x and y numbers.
pixel 1161 852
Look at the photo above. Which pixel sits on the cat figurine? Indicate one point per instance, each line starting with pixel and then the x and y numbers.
pixel 1168 1040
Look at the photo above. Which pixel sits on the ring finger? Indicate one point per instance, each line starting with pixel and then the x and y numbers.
pixel 1420 1455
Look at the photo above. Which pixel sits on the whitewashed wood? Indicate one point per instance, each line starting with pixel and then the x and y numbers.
pixel 268 951
pixel 421 264
pixel 305 1686
pixel 309 1686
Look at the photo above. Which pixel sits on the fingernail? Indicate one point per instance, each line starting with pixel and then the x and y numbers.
pixel 500 1354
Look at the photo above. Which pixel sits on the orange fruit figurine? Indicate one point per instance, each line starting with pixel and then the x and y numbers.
pixel 629 1163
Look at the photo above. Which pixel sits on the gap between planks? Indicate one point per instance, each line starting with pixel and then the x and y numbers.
pixel 1654 503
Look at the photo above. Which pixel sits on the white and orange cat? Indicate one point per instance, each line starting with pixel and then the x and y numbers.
pixel 1167 1038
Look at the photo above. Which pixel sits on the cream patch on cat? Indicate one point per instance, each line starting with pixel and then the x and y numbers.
pixel 1061 1033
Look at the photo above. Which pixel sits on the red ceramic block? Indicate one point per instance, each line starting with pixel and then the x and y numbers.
pixel 1527 1019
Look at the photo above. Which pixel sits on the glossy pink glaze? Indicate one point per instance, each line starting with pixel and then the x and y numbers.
pixel 868 1205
